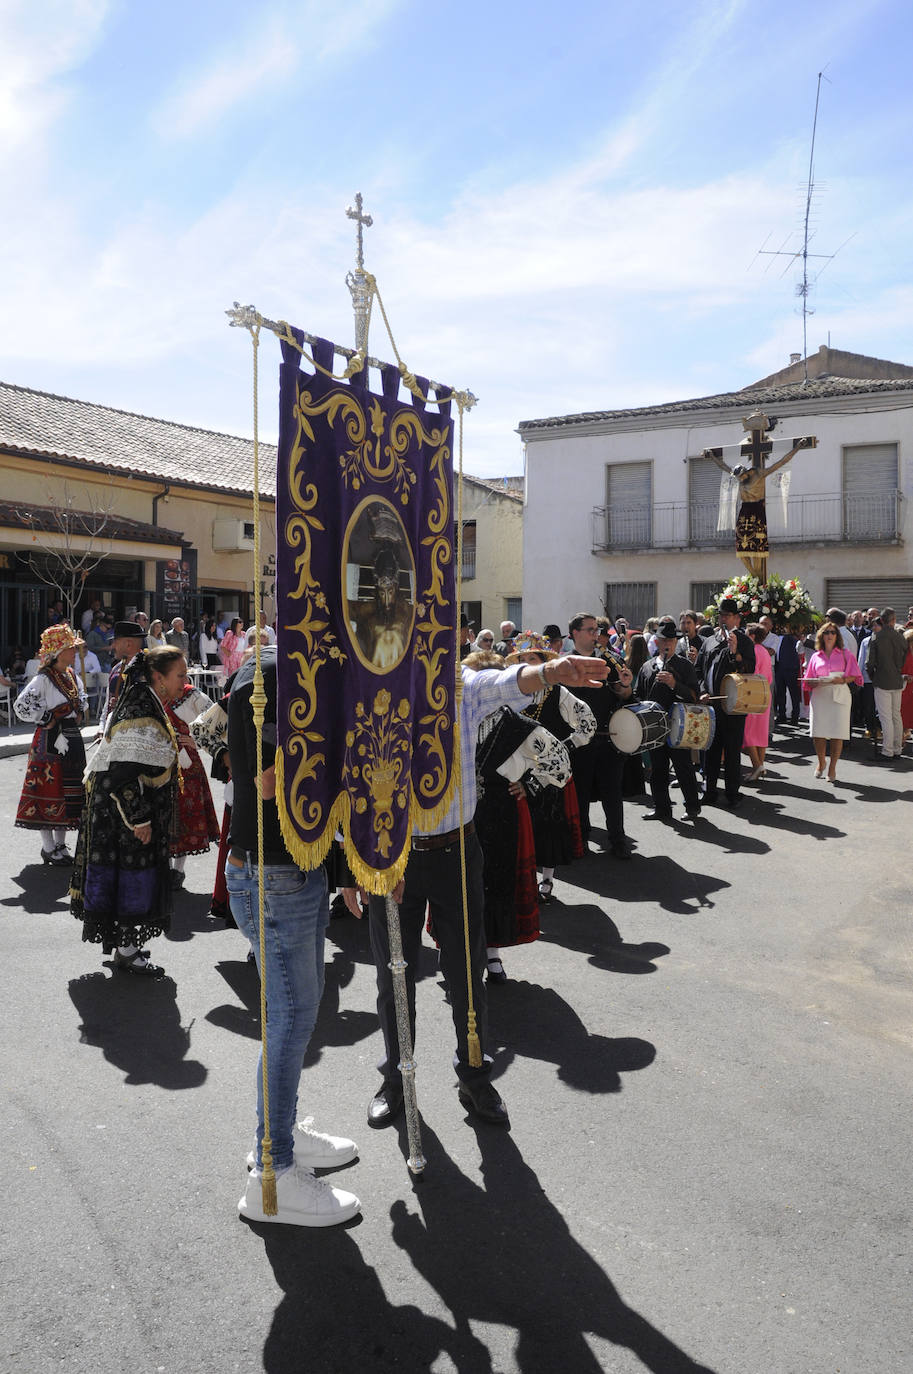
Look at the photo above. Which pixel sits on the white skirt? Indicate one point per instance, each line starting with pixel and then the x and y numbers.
pixel 830 711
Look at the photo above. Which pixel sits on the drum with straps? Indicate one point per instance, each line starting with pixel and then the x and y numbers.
pixel 691 725
pixel 641 725
pixel 745 694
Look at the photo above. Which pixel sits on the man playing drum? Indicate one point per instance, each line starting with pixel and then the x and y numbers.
pixel 666 679
pixel 729 651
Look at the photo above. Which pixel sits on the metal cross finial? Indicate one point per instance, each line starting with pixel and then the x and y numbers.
pixel 364 222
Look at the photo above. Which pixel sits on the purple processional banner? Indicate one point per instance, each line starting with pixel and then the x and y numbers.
pixel 365 617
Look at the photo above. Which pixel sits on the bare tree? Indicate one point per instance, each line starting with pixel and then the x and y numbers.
pixel 69 544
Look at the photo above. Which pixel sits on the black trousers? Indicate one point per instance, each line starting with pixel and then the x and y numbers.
pixel 433 878
pixel 598 770
pixel 730 731
pixel 680 760
pixel 787 681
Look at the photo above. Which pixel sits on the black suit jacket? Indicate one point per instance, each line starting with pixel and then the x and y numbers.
pixel 715 660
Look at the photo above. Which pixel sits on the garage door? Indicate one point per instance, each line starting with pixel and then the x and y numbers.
pixel 858 593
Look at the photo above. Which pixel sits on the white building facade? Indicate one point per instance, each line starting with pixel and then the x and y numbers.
pixel 622 511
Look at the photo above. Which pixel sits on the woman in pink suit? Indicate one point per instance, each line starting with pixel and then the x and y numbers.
pixel 232 647
pixel 757 728
pixel 827 673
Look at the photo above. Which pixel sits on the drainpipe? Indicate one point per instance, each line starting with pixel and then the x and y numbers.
pixel 155 503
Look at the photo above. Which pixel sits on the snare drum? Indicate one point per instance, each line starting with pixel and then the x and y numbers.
pixel 642 725
pixel 691 726
pixel 745 694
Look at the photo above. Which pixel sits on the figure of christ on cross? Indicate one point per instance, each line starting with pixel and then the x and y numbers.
pixel 751 525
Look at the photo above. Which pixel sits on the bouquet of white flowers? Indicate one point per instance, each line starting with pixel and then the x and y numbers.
pixel 786 602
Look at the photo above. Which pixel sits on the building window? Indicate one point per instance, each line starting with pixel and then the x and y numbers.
pixel 702 593
pixel 513 610
pixel 870 493
pixel 636 601
pixel 469 550
pixel 704 503
pixel 629 505
pixel 859 593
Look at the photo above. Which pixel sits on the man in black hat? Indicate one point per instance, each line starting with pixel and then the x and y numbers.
pixel 729 651
pixel 666 679
pixel 129 638
pixel 466 628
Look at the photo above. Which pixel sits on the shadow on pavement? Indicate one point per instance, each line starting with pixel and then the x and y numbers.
pixel 672 887
pixel 44 890
pixel 335 1026
pixel 136 1024
pixel 499 1254
pixel 591 931
pixel 534 1022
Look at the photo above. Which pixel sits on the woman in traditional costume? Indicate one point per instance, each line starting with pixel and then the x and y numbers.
pixel 121 888
pixel 55 700
pixel 515 759
pixel 198 825
pixel 554 811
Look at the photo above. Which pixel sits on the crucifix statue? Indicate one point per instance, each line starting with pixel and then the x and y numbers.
pixel 751 474
pixel 357 281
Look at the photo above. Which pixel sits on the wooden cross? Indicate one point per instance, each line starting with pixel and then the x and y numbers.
pixel 756 448
pixel 364 222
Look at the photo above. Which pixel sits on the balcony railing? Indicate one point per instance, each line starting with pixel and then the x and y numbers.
pixel 469 563
pixel 830 518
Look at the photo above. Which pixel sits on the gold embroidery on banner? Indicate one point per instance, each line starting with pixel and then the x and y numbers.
pixel 377 758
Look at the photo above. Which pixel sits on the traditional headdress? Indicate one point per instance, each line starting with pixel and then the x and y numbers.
pixel 54 640
pixel 529 642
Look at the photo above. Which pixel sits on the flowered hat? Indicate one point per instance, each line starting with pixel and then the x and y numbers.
pixel 529 642
pixel 54 640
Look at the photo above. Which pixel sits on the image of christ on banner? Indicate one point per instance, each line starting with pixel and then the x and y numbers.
pixel 365 616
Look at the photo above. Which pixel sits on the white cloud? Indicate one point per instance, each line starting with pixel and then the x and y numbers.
pixel 287 40
pixel 40 43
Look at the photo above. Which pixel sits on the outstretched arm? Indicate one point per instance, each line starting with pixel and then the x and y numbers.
pixel 810 441
pixel 716 454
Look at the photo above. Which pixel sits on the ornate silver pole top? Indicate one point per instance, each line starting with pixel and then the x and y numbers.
pixel 357 281
pixel 364 222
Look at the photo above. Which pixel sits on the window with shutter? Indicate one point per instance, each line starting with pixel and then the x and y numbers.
pixel 870 491
pixel 704 498
pixel 629 505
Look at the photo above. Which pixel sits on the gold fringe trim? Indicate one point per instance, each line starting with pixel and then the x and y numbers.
pixel 310 854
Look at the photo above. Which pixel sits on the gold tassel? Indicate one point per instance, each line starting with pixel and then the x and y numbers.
pixel 473 1044
pixel 268 1192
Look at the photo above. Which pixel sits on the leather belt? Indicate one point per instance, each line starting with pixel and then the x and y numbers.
pixel 426 842
pixel 271 858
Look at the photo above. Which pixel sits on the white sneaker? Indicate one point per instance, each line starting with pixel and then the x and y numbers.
pixel 314 1150
pixel 302 1199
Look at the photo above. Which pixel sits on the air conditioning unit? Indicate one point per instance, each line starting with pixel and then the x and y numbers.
pixel 232 536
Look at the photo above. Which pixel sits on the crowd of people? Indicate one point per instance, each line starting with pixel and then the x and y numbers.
pixel 549 724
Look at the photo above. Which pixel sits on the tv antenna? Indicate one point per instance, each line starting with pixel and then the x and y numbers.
pixel 803 287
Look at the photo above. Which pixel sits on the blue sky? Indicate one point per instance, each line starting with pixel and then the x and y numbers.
pixel 567 201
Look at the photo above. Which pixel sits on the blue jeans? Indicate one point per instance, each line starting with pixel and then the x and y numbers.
pixel 296 915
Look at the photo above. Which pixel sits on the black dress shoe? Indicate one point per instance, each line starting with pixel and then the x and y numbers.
pixel 482 1097
pixel 386 1104
pixel 734 802
pixel 692 812
pixel 661 813
pixel 711 797
pixel 619 850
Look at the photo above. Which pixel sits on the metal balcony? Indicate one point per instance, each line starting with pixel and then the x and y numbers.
pixel 830 518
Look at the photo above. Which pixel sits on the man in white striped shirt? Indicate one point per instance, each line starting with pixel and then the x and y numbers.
pixel 433 878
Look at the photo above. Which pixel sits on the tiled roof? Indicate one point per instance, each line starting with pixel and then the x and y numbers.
pixel 823 388
pixel 37 423
pixel 504 486
pixel 17 515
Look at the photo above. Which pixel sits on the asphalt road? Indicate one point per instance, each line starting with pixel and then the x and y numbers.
pixel 707 1059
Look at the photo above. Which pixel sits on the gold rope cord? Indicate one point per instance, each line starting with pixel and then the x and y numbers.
pixel 258 702
pixel 473 1043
